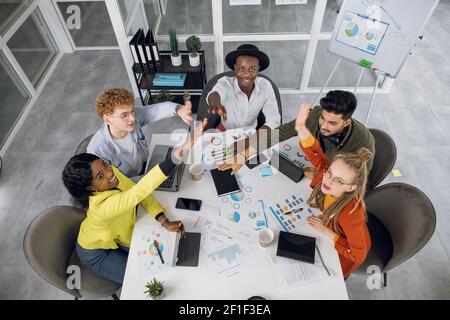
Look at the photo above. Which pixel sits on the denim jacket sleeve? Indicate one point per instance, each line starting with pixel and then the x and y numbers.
pixel 154 112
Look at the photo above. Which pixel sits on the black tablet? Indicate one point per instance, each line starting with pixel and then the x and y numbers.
pixel 287 167
pixel 189 250
pixel 296 246
pixel 225 183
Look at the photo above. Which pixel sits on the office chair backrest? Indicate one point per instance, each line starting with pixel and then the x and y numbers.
pixel 407 214
pixel 214 120
pixel 49 242
pixel 82 147
pixel 384 158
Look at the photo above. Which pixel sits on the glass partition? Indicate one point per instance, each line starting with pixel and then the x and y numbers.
pixel 286 60
pixel 14 99
pixel 33 47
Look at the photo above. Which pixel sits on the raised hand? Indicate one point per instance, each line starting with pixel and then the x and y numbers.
pixel 302 115
pixel 192 138
pixel 216 107
pixel 300 122
pixel 235 164
pixel 199 131
pixel 185 112
pixel 219 110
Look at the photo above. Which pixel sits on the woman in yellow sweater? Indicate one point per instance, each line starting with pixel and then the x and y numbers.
pixel 111 200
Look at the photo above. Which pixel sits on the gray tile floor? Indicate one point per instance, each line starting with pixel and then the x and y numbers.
pixel 416 114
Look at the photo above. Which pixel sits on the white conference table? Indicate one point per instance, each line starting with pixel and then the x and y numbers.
pixel 186 283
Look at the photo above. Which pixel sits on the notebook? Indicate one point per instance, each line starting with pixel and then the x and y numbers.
pixel 225 183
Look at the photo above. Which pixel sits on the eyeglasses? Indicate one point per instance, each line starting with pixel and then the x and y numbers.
pixel 124 116
pixel 335 180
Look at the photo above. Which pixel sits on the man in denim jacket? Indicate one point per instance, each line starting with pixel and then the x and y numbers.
pixel 120 140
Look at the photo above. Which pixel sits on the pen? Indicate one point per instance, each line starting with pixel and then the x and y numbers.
pixel 155 243
pixel 294 211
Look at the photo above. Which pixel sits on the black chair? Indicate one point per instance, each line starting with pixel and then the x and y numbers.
pixel 213 119
pixel 82 147
pixel 401 220
pixel 384 159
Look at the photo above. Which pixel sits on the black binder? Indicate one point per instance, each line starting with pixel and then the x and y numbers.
pixel 134 50
pixel 155 52
pixel 148 54
pixel 141 49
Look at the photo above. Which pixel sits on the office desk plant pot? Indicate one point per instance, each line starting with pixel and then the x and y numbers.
pixel 175 55
pixel 193 45
pixel 154 289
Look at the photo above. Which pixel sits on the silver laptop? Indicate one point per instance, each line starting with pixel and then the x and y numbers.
pixel 159 154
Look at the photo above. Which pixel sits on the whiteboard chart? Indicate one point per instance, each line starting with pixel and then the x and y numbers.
pixel 380 34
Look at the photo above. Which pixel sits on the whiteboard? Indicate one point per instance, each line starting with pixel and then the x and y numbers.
pixel 380 33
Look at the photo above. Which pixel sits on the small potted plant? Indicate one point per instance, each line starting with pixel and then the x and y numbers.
pixel 164 95
pixel 193 45
pixel 175 56
pixel 154 289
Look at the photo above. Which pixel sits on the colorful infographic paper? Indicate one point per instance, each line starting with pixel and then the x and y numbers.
pixel 217 146
pixel 244 207
pixel 291 211
pixel 148 259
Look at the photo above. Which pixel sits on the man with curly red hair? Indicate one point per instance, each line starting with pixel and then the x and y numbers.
pixel 120 140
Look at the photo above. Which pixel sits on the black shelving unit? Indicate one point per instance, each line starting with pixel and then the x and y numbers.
pixel 194 83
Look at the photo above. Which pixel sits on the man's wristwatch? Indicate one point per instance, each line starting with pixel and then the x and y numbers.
pixel 175 112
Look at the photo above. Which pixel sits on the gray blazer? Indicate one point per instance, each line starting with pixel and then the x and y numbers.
pixel 103 145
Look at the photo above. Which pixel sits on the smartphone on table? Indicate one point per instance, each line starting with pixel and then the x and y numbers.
pixel 188 204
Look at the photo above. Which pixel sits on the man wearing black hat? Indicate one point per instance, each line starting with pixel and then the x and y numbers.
pixel 239 99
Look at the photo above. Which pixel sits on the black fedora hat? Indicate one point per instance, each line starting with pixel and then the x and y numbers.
pixel 247 50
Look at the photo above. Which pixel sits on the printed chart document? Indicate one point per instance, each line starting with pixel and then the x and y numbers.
pixel 217 146
pixel 227 249
pixel 292 209
pixel 245 207
pixel 149 261
pixel 291 273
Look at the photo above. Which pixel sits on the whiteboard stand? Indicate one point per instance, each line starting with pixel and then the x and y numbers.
pixel 356 87
pixel 372 99
pixel 359 80
pixel 326 82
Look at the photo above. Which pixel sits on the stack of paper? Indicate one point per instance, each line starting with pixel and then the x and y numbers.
pixel 291 273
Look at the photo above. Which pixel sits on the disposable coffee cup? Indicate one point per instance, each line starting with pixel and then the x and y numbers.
pixel 196 171
pixel 265 237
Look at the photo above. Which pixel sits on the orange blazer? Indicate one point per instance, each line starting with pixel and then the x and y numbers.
pixel 355 243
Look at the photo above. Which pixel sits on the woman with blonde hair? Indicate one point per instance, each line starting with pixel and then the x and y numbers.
pixel 338 191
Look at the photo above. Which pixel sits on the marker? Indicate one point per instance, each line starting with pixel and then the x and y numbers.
pixel 294 211
pixel 155 243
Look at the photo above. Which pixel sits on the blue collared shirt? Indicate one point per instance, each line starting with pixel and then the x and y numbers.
pixel 102 144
